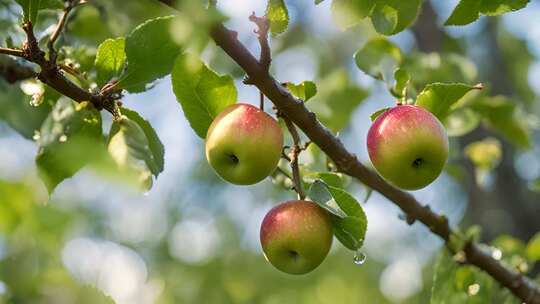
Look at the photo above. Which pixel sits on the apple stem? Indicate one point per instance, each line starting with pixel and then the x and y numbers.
pixel 261 101
pixel 296 149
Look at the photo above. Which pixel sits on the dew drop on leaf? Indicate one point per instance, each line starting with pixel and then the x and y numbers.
pixel 37 135
pixel 473 289
pixel 359 258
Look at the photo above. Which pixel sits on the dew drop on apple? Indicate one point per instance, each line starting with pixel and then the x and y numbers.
pixel 359 258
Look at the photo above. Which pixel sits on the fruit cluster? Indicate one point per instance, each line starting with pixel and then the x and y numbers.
pixel 407 145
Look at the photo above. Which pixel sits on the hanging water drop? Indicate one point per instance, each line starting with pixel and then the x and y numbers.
pixel 473 289
pixel 359 258
pixel 37 135
pixel 496 253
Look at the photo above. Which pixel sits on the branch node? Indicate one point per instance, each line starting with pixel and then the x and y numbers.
pixel 263 26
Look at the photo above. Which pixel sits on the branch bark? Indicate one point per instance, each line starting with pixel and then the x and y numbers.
pixel 50 72
pixel 346 162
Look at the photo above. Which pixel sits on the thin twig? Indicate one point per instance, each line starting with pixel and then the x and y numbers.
pixel 12 52
pixel 263 26
pixel 71 4
pixel 293 157
pixel 50 74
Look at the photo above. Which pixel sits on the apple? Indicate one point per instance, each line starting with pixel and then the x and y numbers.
pixel 408 146
pixel 244 144
pixel 296 236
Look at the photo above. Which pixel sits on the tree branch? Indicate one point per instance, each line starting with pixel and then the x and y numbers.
pixel 50 73
pixel 263 26
pixel 12 52
pixel 347 163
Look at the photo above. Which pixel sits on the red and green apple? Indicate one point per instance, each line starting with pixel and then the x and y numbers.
pixel 296 236
pixel 408 146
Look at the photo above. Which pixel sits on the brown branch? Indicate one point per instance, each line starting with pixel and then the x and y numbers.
pixel 293 157
pixel 51 74
pixel 263 26
pixel 71 4
pixel 12 52
pixel 346 162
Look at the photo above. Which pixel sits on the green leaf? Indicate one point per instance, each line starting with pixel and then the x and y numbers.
pixel 535 185
pixel 348 13
pixel 505 118
pixel 304 90
pixel 330 178
pixel 460 284
pixel 91 295
pixel 69 129
pixel 51 4
pixel 350 231
pixel 201 92
pixel 319 193
pixel 499 7
pixel 156 147
pixel 150 53
pixel 17 111
pixel 318 1
pixel 30 9
pixel 390 17
pixel 377 55
pixel 485 156
pixel 110 60
pixel 336 100
pixel 278 15
pixel 428 68
pixel 533 248
pixel 468 11
pixel 438 98
pixel 509 245
pixel 130 150
pixel 461 121
pixel 402 78
pixel 374 116
pixel 349 221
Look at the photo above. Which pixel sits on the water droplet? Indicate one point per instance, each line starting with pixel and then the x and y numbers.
pixel 496 253
pixel 473 289
pixel 36 100
pixel 146 193
pixel 359 258
pixel 37 135
pixel 63 138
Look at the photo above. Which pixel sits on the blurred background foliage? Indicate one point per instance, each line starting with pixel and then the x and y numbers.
pixel 194 239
